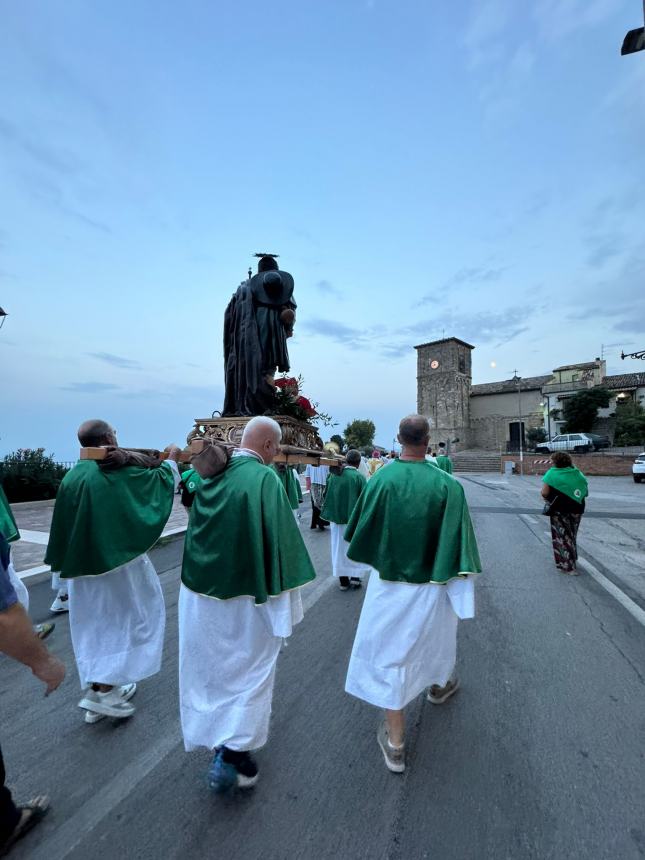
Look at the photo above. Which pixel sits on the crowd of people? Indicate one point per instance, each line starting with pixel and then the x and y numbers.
pixel 403 520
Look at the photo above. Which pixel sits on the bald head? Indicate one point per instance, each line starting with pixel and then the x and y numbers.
pixel 262 435
pixel 94 432
pixel 414 432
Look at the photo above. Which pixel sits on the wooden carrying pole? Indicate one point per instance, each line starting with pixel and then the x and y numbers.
pixel 289 454
pixel 101 453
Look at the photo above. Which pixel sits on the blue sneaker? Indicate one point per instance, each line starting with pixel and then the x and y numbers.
pixel 230 768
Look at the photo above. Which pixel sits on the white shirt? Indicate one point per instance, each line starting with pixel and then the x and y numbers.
pixel 317 474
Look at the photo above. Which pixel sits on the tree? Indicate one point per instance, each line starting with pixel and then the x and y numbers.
pixel 630 424
pixel 580 410
pixel 338 439
pixel 535 435
pixel 359 433
pixel 29 474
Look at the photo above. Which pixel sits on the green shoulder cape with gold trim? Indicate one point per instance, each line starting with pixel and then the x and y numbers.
pixel 242 538
pixel 8 525
pixel 343 491
pixel 412 525
pixel 291 485
pixel 105 519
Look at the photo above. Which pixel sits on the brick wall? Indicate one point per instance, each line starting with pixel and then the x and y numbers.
pixel 589 464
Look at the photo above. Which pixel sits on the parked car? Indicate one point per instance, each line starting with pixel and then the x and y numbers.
pixel 638 469
pixel 577 442
pixel 599 441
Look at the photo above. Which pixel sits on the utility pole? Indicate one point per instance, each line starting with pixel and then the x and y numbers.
pixel 518 379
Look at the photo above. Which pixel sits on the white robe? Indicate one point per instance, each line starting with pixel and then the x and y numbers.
pixel 228 651
pixel 406 639
pixel 117 621
pixel 19 587
pixel 341 565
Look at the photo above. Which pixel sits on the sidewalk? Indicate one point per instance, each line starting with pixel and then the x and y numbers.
pixel 34 520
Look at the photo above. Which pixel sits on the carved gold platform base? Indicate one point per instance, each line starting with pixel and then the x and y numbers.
pixel 295 434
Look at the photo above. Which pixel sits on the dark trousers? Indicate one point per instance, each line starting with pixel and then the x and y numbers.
pixel 9 813
pixel 316 519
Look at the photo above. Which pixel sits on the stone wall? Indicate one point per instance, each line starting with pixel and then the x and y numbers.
pixel 589 464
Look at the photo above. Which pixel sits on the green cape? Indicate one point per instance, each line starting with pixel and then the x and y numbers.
pixel 242 538
pixel 444 463
pixel 412 525
pixel 342 494
pixel 8 525
pixel 569 481
pixel 291 486
pixel 105 519
pixel 191 479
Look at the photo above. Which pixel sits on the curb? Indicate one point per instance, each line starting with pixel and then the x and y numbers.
pixel 34 575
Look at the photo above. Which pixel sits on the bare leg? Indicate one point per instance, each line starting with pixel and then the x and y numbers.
pixel 395 727
pixel 102 688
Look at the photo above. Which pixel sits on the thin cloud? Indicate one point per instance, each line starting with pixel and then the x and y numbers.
pixel 336 331
pixel 116 360
pixel 466 275
pixel 47 156
pixel 557 19
pixel 328 289
pixel 89 387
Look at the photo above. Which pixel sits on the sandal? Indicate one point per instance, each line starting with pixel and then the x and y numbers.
pixel 30 814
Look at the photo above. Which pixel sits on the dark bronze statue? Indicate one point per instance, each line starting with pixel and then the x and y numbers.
pixel 258 320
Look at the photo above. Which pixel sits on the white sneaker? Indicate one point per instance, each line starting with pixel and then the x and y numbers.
pixel 127 692
pixel 61 602
pixel 110 704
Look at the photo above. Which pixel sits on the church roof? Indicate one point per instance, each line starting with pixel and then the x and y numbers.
pixel 529 383
pixel 445 340
pixel 581 366
pixel 625 380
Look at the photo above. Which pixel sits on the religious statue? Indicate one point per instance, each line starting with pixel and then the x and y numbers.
pixel 258 320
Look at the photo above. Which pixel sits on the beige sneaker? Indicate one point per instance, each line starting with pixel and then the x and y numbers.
pixel 394 757
pixel 438 695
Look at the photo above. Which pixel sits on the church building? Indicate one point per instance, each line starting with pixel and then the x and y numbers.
pixel 492 415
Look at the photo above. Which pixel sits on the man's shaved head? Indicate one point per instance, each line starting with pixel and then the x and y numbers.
pixel 414 430
pixel 95 432
pixel 262 435
pixel 353 457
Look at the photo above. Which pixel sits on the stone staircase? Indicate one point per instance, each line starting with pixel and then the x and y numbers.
pixel 476 461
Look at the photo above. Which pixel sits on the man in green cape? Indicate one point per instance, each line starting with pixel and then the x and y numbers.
pixel 412 526
pixel 107 515
pixel 289 480
pixel 444 463
pixel 244 564
pixel 344 488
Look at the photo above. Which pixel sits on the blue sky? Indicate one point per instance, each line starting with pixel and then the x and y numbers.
pixel 473 168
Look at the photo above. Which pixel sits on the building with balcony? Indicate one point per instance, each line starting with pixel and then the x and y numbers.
pixel 497 415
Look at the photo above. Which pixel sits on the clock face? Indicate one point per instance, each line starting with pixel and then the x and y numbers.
pixel 434 364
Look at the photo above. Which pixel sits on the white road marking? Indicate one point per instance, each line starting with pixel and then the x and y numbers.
pixel 626 602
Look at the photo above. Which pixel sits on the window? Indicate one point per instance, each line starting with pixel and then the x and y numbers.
pixel 575 437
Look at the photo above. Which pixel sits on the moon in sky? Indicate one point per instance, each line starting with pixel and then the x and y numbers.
pixel 493 364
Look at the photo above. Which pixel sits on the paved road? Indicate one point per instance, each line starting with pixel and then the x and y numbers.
pixel 540 755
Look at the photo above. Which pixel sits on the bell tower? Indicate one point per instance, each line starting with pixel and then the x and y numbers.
pixel 444 377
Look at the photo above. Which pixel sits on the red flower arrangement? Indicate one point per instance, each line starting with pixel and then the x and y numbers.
pixel 289 401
